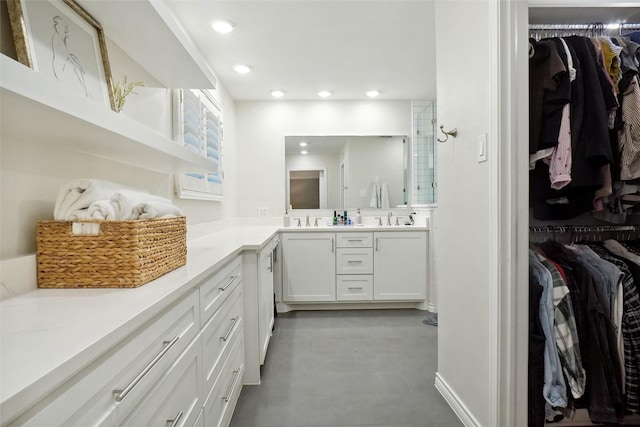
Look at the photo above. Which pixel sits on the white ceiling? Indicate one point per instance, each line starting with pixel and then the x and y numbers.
pixel 303 46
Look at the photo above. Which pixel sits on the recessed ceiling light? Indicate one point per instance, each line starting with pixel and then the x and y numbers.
pixel 304 152
pixel 324 93
pixel 223 26
pixel 277 93
pixel 373 93
pixel 303 144
pixel 241 68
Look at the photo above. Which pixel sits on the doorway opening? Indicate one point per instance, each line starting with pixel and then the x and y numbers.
pixel 307 189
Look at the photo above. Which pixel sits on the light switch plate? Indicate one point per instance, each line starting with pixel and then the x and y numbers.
pixel 482 148
pixel 263 212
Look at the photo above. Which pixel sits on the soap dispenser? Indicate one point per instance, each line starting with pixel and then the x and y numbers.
pixel 287 220
pixel 358 218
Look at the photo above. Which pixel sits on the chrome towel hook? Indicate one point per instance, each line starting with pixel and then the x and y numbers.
pixel 453 132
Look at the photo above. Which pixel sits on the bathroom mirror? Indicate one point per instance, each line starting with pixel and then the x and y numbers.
pixel 346 172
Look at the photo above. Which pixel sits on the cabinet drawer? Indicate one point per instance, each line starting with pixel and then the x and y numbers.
pixel 219 334
pixel 354 240
pixel 176 398
pixel 215 289
pixel 221 401
pixel 112 386
pixel 354 287
pixel 354 261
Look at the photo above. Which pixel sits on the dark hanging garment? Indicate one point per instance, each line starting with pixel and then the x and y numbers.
pixel 554 101
pixel 589 131
pixel 536 356
pixel 544 68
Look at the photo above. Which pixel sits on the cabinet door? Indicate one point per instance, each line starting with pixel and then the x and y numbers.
pixel 400 265
pixel 265 301
pixel 309 267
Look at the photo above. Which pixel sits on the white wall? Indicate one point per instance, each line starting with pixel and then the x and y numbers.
pixel 31 174
pixel 463 220
pixel 262 127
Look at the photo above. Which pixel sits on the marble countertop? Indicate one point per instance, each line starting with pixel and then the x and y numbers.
pixel 48 335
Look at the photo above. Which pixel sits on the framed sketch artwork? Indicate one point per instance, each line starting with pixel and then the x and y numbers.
pixel 60 39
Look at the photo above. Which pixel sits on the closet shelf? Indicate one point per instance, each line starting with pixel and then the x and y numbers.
pixel 38 110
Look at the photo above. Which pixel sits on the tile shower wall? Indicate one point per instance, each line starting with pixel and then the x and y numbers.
pixel 424 152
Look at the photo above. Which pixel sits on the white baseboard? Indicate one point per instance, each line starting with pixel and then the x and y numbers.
pixel 456 404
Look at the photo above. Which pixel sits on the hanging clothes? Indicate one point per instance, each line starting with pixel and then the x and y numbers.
pixel 597 340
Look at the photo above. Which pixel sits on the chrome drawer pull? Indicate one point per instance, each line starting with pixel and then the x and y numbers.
pixel 333 245
pixel 224 288
pixel 354 261
pixel 233 325
pixel 121 394
pixel 236 376
pixel 354 240
pixel 174 422
pixel 355 288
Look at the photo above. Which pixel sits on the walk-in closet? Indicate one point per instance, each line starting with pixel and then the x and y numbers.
pixel 584 216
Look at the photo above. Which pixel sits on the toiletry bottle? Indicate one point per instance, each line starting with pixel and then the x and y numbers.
pixel 345 218
pixel 335 218
pixel 358 218
pixel 287 220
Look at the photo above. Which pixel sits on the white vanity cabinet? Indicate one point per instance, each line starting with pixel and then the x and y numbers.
pixel 117 384
pixel 258 269
pixel 223 340
pixel 166 370
pixel 400 265
pixel 354 266
pixel 308 267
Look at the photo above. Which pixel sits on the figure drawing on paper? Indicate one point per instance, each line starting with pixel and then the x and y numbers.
pixel 66 65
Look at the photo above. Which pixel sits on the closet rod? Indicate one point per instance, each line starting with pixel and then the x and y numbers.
pixel 574 233
pixel 595 25
pixel 582 228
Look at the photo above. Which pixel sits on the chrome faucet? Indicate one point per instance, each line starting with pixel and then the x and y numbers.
pixel 315 224
pixel 307 222
pixel 299 224
pixel 379 218
pixel 389 215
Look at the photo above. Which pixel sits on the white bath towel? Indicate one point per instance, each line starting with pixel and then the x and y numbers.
pixel 384 196
pixel 374 202
pixel 102 210
pixel 148 210
pixel 75 197
pixel 125 202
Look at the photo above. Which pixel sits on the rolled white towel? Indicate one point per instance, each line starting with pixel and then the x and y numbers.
pixel 75 197
pixel 102 210
pixel 148 210
pixel 125 202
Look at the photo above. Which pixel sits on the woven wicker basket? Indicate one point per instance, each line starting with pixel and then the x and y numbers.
pixel 124 254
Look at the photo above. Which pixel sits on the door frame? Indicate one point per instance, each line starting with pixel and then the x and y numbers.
pixel 510 181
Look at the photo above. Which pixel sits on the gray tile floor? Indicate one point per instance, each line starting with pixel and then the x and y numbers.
pixel 348 368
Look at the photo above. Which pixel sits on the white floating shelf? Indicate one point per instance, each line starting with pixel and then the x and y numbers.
pixel 36 109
